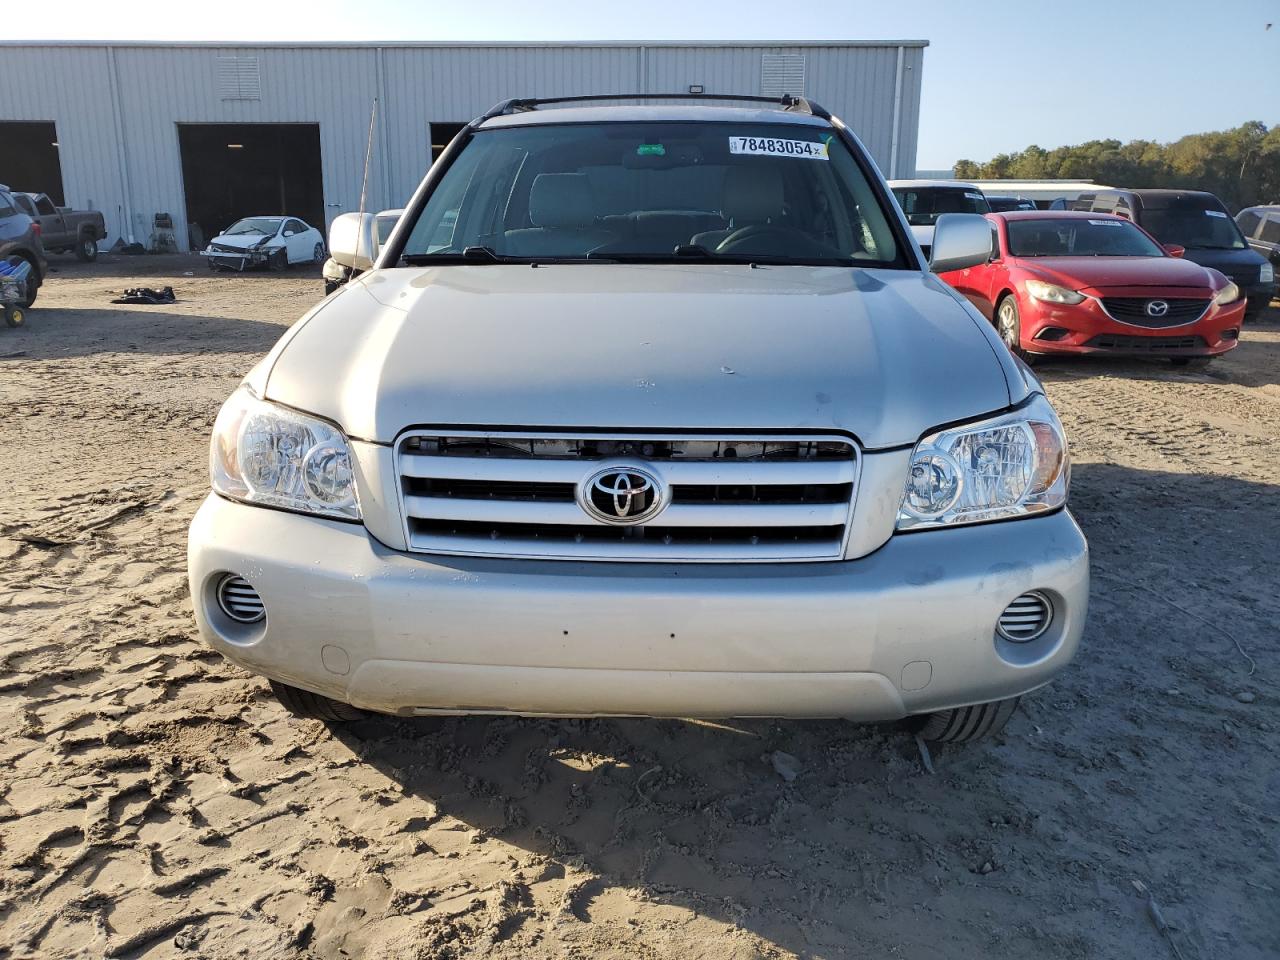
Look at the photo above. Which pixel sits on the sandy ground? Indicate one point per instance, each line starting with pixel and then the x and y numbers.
pixel 155 801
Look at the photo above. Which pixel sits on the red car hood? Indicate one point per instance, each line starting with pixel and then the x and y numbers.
pixel 1100 273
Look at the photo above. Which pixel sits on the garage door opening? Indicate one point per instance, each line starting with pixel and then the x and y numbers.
pixel 29 158
pixel 441 134
pixel 235 170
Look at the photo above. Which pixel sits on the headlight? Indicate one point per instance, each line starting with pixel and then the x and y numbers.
pixel 1228 294
pixel 269 455
pixel 1052 293
pixel 1267 274
pixel 1013 465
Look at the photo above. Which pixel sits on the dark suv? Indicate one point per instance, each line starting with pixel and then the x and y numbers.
pixel 20 237
pixel 1198 222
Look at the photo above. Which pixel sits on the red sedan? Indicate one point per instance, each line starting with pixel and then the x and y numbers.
pixel 1071 282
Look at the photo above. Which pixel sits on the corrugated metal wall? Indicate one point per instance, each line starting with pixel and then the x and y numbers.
pixel 117 107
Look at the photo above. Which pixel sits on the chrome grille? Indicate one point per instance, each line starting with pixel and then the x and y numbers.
pixel 730 499
pixel 239 600
pixel 1133 311
pixel 1026 618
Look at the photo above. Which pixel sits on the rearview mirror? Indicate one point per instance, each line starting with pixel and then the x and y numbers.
pixel 351 240
pixel 960 240
pixel 1174 249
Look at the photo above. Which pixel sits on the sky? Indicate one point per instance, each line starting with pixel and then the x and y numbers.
pixel 998 74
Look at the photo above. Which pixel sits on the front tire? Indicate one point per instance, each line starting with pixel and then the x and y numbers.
pixel 317 255
pixel 966 724
pixel 312 706
pixel 14 316
pixel 86 249
pixel 1009 325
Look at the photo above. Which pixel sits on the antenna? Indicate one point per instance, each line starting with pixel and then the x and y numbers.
pixel 364 185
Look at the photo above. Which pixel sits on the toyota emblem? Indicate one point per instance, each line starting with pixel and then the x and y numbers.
pixel 1157 308
pixel 622 494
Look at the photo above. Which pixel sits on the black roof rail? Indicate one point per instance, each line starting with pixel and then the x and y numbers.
pixel 523 104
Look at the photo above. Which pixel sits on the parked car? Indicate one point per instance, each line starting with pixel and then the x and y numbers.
pixel 1078 283
pixel 923 201
pixel 62 229
pixel 1005 204
pixel 1199 222
pixel 671 420
pixel 20 240
pixel 275 242
pixel 335 274
pixel 1261 229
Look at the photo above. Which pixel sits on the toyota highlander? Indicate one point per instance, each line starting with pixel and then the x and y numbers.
pixel 646 410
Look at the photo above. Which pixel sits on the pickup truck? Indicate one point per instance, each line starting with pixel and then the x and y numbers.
pixel 63 230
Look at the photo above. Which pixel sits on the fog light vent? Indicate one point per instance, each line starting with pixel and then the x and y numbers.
pixel 239 600
pixel 1026 618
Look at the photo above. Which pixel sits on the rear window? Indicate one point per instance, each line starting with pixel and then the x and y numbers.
pixel 923 205
pixel 654 192
pixel 1079 238
pixel 1197 223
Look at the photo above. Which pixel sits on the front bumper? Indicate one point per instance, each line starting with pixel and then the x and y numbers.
pixel 908 629
pixel 238 260
pixel 1086 328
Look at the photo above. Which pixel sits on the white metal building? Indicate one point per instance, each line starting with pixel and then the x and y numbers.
pixel 208 132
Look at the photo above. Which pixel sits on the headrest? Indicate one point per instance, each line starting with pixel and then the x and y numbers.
pixel 752 194
pixel 562 200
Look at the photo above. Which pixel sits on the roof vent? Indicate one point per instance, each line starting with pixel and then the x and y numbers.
pixel 782 73
pixel 239 78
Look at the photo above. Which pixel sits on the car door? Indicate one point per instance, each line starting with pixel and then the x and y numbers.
pixel 978 284
pixel 298 240
pixel 52 223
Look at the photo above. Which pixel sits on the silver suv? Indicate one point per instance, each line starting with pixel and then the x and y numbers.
pixel 646 410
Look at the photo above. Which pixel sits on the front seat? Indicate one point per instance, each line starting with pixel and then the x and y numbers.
pixel 752 195
pixel 562 209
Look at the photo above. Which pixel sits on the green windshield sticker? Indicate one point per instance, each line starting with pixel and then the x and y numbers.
pixel 651 150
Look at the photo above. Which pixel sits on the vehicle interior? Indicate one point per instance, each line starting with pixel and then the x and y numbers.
pixel 656 191
pixel 1079 238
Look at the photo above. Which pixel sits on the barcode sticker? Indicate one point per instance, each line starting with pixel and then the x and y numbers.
pixel 1107 223
pixel 1215 213
pixel 772 147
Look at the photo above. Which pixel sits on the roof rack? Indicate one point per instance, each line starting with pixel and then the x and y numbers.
pixel 524 104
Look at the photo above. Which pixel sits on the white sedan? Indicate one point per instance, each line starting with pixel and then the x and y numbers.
pixel 277 242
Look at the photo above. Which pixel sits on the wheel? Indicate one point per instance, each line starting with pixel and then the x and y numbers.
pixel 1009 323
pixel 14 316
pixel 312 706
pixel 966 724
pixel 317 255
pixel 86 249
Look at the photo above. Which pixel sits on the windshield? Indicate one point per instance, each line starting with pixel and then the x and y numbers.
pixel 1190 225
pixel 655 192
pixel 1003 204
pixel 923 205
pixel 267 226
pixel 1079 238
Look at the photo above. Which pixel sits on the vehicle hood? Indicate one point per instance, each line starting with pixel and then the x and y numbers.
pixel 1101 273
pixel 242 241
pixel 882 354
pixel 1242 266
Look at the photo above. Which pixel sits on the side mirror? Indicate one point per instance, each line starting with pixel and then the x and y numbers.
pixel 288 233
pixel 351 240
pixel 960 240
pixel 1174 249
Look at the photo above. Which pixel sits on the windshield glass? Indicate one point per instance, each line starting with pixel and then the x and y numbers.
pixel 1190 225
pixel 654 192
pixel 266 226
pixel 385 225
pixel 1079 238
pixel 923 205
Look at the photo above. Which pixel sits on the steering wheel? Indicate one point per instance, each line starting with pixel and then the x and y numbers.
pixel 751 231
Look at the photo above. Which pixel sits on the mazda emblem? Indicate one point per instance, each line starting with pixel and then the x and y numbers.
pixel 1157 308
pixel 622 494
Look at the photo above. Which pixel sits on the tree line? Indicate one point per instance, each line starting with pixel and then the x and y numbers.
pixel 1241 166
